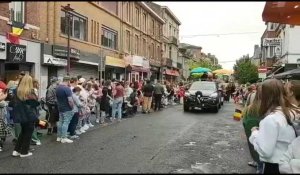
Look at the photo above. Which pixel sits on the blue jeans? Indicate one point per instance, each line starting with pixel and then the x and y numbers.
pixel 73 124
pixel 260 167
pixel 117 107
pixel 63 123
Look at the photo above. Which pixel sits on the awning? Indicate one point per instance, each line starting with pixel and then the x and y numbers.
pixel 172 72
pixel 295 73
pixel 282 12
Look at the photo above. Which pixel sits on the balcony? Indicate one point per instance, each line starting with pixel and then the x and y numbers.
pixel 173 40
pixel 179 65
pixel 169 62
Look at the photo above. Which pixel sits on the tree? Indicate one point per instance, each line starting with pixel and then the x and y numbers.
pixel 204 63
pixel 245 71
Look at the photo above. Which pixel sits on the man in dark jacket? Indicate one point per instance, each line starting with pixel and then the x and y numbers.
pixel 148 92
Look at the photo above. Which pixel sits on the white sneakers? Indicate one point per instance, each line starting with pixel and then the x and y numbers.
pixel 17 154
pixel 78 132
pixel 97 121
pixel 90 125
pixel 86 127
pixel 82 130
pixel 66 140
pixel 74 137
pixel 38 143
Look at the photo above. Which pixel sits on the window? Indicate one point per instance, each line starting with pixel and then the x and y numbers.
pixel 98 37
pixel 170 30
pixel 144 47
pixel 152 51
pixel 170 51
pixel 109 38
pixel 77 26
pixel 174 34
pixel 128 12
pixel 127 41
pixel 17 11
pixel 144 22
pixel 137 17
pixel 152 27
pixel 92 31
pixel 136 44
pixel 158 53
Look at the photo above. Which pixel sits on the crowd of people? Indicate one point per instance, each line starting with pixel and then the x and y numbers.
pixel 71 104
pixel 271 121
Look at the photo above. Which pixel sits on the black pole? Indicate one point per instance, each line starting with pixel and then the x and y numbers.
pixel 68 53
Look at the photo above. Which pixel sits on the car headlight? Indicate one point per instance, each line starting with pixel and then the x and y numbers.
pixel 214 95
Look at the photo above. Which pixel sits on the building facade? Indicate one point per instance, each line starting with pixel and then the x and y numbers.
pixel 142 42
pixel 25 55
pixel 170 35
pixel 125 36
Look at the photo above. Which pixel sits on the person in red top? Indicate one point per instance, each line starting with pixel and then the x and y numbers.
pixel 181 92
pixel 118 101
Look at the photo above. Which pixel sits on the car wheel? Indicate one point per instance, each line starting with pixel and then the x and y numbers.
pixel 186 108
pixel 216 109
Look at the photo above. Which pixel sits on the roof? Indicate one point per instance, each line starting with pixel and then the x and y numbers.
pixel 143 4
pixel 282 12
pixel 172 14
pixel 185 45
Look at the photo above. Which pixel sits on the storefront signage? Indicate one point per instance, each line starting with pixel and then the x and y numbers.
pixel 137 61
pixel 2 46
pixel 16 53
pixel 61 51
pixel 50 60
pixel 116 62
pixel 272 42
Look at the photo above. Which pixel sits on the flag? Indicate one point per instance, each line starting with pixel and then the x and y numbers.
pixel 17 28
pixel 13 38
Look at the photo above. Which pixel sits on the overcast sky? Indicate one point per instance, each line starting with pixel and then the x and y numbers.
pixel 201 18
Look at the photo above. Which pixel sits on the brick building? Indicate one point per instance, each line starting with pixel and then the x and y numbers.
pixel 125 32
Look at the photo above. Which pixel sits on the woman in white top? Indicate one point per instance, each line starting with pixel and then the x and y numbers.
pixel 290 163
pixel 275 132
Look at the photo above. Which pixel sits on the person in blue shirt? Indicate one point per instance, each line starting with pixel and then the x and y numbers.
pixel 65 105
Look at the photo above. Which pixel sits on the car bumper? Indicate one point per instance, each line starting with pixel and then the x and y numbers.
pixel 203 104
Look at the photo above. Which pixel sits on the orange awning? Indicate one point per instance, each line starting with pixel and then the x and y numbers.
pixel 282 12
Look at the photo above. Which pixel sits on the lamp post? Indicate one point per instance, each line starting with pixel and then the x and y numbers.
pixel 68 9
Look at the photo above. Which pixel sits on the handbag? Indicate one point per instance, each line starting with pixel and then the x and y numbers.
pixel 110 100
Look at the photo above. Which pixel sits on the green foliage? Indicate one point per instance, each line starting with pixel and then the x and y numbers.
pixel 205 64
pixel 245 71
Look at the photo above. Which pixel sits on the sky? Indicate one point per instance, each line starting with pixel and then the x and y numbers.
pixel 203 18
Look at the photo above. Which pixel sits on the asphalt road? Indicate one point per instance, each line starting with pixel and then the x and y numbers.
pixel 168 141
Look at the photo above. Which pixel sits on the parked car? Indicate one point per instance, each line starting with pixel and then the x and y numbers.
pixel 202 95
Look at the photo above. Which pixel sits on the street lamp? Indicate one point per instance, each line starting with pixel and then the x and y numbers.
pixel 68 9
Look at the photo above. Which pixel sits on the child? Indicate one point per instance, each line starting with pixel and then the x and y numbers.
pixel 3 113
pixel 104 105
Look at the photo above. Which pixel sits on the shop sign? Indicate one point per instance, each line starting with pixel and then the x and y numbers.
pixel 116 62
pixel 50 60
pixel 16 53
pixel 271 41
pixel 137 60
pixel 62 51
pixel 2 46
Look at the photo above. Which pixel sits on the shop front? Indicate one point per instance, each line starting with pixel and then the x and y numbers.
pixel 114 68
pixel 139 68
pixel 15 58
pixel 171 75
pixel 155 70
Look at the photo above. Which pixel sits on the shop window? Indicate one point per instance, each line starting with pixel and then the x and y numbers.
pixel 17 9
pixel 78 26
pixel 109 38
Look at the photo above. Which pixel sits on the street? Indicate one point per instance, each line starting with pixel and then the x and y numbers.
pixel 168 141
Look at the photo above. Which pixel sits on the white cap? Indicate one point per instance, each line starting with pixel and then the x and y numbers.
pixel 81 80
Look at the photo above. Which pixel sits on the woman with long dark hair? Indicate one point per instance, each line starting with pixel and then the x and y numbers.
pixel 275 132
pixel 25 112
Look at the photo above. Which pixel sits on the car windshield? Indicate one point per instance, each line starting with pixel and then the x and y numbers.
pixel 203 86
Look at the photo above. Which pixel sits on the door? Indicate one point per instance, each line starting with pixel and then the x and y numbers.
pixel 52 72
